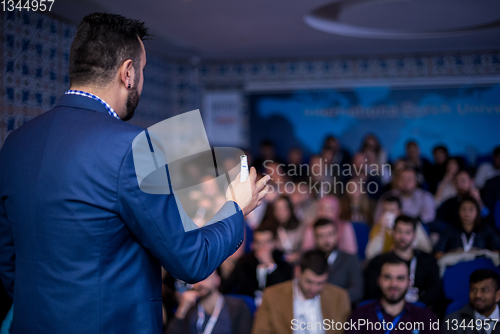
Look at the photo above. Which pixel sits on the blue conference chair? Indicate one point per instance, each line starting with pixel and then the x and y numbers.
pixel 362 232
pixel 497 215
pixel 248 300
pixel 456 281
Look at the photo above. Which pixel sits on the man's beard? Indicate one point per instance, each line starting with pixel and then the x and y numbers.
pixel 486 308
pixel 395 300
pixel 133 98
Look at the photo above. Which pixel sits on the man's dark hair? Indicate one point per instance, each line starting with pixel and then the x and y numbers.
pixel 101 44
pixel 324 222
pixel 463 170
pixel 496 151
pixel 393 199
pixel 440 148
pixel 266 227
pixel 406 219
pixel 411 143
pixel 315 261
pixel 482 274
pixel 391 258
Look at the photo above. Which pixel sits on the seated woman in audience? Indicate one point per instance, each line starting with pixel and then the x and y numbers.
pixel 446 188
pixel 469 233
pixel 329 208
pixel 357 206
pixel 371 146
pixel 288 228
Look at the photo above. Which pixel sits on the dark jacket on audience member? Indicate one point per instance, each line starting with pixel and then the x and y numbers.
pixel 465 313
pixel 239 316
pixel 412 315
pixel 243 279
pixel 486 237
pixel 427 278
pixel 346 273
pixel 491 192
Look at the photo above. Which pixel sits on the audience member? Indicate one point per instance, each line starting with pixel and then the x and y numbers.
pixel 205 310
pixel 267 153
pixel 415 161
pixel 344 269
pixel 415 202
pixel 329 208
pixel 357 206
pixel 425 284
pixel 290 231
pixel 367 171
pixel 464 185
pixel 481 314
pixel 393 282
pixel 488 170
pixel 446 187
pixel 491 193
pixel 469 233
pixel 372 144
pixel 340 155
pixel 381 236
pixel 438 169
pixel 304 203
pixel 304 302
pixel 261 268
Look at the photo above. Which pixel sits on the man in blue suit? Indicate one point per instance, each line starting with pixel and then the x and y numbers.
pixel 81 246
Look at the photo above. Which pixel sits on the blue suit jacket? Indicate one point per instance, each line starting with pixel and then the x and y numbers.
pixel 80 244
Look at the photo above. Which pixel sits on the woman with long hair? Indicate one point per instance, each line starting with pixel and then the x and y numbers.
pixel 281 217
pixel 470 233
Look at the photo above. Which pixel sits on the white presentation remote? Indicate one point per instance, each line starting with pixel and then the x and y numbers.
pixel 244 168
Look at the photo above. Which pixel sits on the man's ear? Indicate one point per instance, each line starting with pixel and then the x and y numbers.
pixel 497 296
pixel 127 73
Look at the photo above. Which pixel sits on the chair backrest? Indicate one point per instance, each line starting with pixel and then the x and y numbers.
pixel 362 232
pixel 497 215
pixel 248 300
pixel 456 281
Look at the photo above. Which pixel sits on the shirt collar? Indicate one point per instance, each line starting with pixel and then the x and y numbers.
pixel 110 110
pixel 494 315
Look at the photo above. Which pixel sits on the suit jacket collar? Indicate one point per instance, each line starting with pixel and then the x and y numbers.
pixel 82 102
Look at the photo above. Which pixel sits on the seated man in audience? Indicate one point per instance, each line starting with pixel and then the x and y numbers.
pixel 484 294
pixel 262 267
pixel 344 269
pixel 394 282
pixel 488 170
pixel 415 202
pixel 205 310
pixel 380 240
pixel 464 184
pixel 305 303
pixel 425 284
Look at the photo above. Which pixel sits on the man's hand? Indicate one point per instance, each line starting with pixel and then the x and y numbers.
pixel 187 300
pixel 264 256
pixel 249 194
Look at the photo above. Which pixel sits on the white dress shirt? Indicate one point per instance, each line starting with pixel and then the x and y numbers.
pixel 307 311
pixel 495 315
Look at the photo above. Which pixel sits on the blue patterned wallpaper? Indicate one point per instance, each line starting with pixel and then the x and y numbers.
pixel 34 56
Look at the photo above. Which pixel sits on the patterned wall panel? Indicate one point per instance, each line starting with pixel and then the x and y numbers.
pixel 34 57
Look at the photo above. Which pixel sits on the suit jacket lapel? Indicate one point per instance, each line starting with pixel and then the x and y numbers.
pixel 287 308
